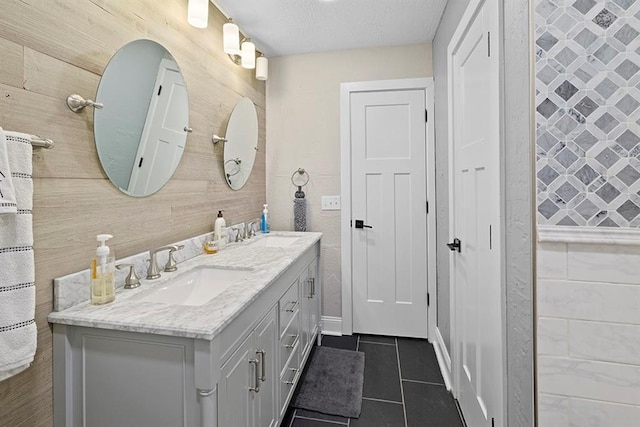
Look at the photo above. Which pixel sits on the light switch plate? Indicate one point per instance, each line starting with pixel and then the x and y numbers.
pixel 330 203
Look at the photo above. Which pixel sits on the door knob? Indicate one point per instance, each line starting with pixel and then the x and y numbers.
pixel 456 245
pixel 360 224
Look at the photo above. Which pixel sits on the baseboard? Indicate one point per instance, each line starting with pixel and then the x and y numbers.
pixel 444 360
pixel 331 325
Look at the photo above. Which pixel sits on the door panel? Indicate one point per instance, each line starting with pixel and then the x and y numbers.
pixel 476 212
pixel 388 187
pixel 162 141
pixel 266 339
pixel 235 401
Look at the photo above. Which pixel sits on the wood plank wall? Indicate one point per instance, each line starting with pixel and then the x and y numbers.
pixel 52 48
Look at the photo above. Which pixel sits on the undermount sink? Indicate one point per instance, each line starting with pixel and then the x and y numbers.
pixel 196 287
pixel 275 241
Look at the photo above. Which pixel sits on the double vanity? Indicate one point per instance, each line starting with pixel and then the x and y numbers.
pixel 219 342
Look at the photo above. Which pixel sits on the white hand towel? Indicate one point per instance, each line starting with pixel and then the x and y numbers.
pixel 7 192
pixel 18 334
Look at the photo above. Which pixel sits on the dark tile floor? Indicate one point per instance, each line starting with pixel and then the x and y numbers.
pixel 403 387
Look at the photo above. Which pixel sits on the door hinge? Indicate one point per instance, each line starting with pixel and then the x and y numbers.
pixel 428 299
pixel 140 163
pixel 426 116
pixel 427 206
pixel 489 44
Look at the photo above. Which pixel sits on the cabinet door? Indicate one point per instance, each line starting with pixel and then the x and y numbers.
pixel 310 307
pixel 314 301
pixel 238 375
pixel 265 339
pixel 305 306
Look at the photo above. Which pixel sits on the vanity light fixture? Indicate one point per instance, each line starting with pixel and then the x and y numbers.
pixel 231 38
pixel 248 54
pixel 243 54
pixel 198 13
pixel 262 68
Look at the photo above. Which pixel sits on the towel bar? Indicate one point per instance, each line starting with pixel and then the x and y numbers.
pixel 38 142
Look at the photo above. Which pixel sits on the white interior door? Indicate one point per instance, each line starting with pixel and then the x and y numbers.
pixel 476 226
pixel 389 195
pixel 162 140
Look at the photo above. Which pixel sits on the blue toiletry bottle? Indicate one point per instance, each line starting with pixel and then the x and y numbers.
pixel 264 220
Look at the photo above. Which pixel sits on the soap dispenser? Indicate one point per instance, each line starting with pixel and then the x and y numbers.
pixel 264 220
pixel 220 231
pixel 103 285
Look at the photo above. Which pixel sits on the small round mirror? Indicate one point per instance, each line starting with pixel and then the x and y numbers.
pixel 242 143
pixel 142 129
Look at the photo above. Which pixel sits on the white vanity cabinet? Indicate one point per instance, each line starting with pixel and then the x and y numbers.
pixel 247 387
pixel 310 311
pixel 241 376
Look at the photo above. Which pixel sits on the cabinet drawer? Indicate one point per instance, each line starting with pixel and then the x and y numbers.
pixel 289 341
pixel 289 379
pixel 289 305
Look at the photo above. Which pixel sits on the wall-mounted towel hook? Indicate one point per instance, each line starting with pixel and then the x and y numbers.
pixel 77 103
pixel 216 139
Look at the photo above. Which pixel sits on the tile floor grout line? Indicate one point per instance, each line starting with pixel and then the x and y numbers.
pixel 293 417
pixel 404 408
pixel 324 421
pixel 381 400
pixel 422 382
pixel 379 343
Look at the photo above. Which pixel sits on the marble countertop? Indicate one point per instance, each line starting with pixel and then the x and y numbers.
pixel 128 313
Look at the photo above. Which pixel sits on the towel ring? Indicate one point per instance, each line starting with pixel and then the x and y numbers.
pixel 300 178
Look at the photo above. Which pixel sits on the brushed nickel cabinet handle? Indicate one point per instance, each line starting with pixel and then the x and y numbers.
pixel 292 308
pixel 295 376
pixel 296 338
pixel 256 388
pixel 263 365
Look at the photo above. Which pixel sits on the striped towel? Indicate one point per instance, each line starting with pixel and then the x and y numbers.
pixel 18 335
pixel 8 203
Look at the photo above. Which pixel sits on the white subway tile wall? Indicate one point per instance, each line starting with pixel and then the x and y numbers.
pixel 588 336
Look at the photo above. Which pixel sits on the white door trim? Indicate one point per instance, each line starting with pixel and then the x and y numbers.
pixel 472 10
pixel 346 89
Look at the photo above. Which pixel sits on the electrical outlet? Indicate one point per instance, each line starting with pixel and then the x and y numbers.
pixel 330 203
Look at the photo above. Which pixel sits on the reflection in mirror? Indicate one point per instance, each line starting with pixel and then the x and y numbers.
pixel 242 143
pixel 142 130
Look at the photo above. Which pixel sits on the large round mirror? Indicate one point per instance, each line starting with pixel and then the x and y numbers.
pixel 242 143
pixel 141 131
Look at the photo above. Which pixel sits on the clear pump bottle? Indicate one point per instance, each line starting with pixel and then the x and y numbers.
pixel 103 285
pixel 264 220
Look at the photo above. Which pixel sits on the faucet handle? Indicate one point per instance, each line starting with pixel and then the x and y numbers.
pixel 251 229
pixel 238 233
pixel 132 280
pixel 171 263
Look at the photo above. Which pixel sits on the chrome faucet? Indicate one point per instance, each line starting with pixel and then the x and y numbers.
pixel 237 230
pixel 154 272
pixel 250 228
pixel 171 263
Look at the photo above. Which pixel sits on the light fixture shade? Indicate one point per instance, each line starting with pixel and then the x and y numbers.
pixel 198 13
pixel 231 38
pixel 262 68
pixel 248 54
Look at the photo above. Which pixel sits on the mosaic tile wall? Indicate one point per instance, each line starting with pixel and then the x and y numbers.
pixel 588 115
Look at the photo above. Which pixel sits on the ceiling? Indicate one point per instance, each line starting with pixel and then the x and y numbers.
pixel 289 27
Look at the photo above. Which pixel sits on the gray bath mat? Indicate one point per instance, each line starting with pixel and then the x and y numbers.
pixel 332 383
